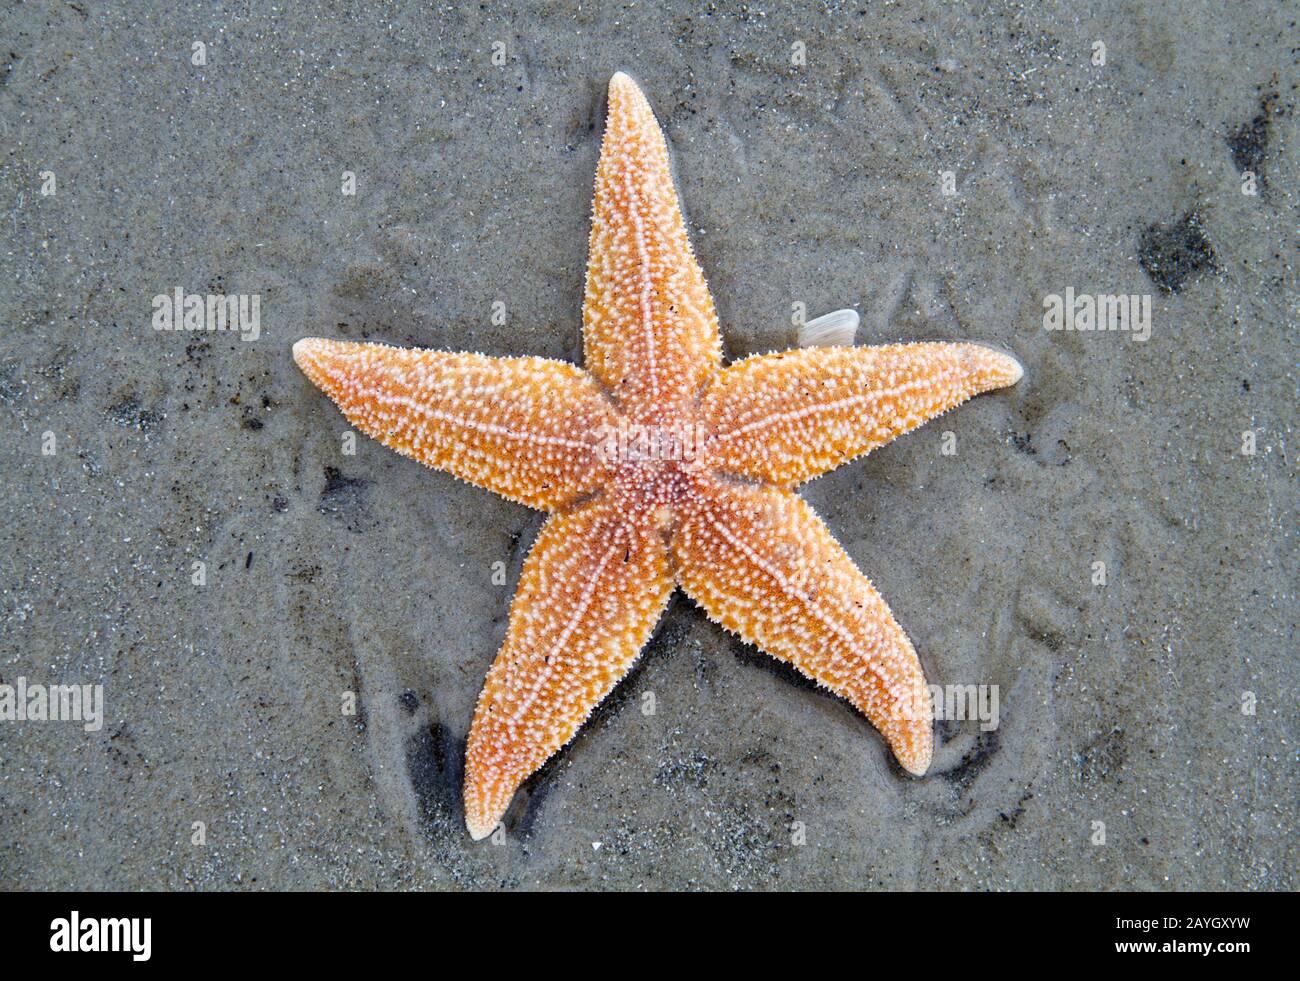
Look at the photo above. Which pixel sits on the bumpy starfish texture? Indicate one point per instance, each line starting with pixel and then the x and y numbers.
pixel 660 468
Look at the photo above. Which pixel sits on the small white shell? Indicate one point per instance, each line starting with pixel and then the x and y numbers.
pixel 838 329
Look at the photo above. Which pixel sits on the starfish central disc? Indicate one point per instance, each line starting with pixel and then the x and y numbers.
pixel 657 468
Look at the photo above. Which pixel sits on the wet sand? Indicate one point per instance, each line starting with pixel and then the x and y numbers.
pixel 1160 705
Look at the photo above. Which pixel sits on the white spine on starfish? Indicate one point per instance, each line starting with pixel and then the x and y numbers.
pixel 859 398
pixel 489 428
pixel 649 327
pixel 570 625
pixel 791 589
pixel 526 428
pixel 836 405
pixel 645 285
pixel 591 589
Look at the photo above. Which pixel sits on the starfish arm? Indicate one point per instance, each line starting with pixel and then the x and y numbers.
pixel 528 428
pixel 592 588
pixel 763 565
pixel 792 416
pixel 650 331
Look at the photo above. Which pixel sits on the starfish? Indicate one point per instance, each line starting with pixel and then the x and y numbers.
pixel 659 468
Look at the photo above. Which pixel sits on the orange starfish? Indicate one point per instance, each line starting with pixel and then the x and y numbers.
pixel 659 468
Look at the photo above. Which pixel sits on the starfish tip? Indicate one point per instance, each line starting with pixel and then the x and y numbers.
pixel 1016 370
pixel 621 83
pixel 1009 366
pixel 478 829
pixel 303 348
pixel 916 767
